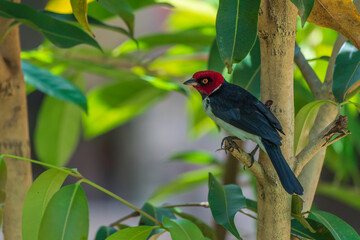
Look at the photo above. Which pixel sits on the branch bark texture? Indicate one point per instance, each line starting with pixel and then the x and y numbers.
pixel 277 31
pixel 14 136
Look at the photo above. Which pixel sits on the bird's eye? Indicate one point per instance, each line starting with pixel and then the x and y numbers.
pixel 205 81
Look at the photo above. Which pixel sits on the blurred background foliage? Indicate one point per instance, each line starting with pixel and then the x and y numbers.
pixel 145 69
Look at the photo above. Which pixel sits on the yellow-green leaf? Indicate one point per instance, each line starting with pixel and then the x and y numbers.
pixel 79 8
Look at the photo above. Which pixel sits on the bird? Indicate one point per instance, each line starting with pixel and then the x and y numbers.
pixel 240 113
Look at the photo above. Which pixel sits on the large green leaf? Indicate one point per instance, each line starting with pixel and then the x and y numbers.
pixel 3 177
pixel 225 202
pixel 195 157
pixel 184 182
pixel 304 7
pixel 236 29
pixel 338 228
pixel 57 131
pixel 92 21
pixel 247 73
pixel 215 63
pixel 132 233
pixel 304 121
pixel 116 103
pixel 182 229
pixel 67 215
pixel 104 232
pixel 37 199
pixel 343 194
pixel 79 8
pixel 346 72
pixel 60 33
pixel 321 233
pixel 206 230
pixel 123 9
pixel 53 85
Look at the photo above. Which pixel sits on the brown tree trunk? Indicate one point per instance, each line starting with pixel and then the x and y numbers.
pixel 14 136
pixel 277 31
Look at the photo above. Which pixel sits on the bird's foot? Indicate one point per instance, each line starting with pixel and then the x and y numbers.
pixel 252 154
pixel 231 144
pixel 268 103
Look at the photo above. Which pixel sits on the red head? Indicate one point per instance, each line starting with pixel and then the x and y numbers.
pixel 206 81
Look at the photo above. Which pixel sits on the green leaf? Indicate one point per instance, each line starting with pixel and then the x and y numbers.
pixel 98 12
pixel 236 29
pixel 3 177
pixel 146 3
pixel 37 199
pixel 53 85
pixel 304 7
pixel 132 233
pixel 123 9
pixel 321 233
pixel 57 131
pixel 215 63
pixel 192 37
pixel 247 73
pixel 92 21
pixel 184 182
pixel 79 8
pixel 296 207
pixel 225 202
pixel 155 212
pixel 338 228
pixel 182 229
pixel 116 103
pixel 60 33
pixel 346 72
pixel 67 215
pixel 206 230
pixel 104 232
pixel 304 121
pixel 251 204
pixel 195 157
pixel 343 194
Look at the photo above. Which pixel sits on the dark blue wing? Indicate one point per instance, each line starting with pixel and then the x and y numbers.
pixel 239 108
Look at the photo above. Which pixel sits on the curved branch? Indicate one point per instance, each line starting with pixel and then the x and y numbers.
pixel 248 162
pixel 309 74
pixel 340 40
pixel 321 140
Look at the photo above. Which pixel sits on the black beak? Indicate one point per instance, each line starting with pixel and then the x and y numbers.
pixel 191 82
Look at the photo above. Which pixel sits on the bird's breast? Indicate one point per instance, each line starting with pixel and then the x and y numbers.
pixel 243 135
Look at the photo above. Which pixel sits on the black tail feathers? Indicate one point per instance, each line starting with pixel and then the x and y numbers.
pixel 286 175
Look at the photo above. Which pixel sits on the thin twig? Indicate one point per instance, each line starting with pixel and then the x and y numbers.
pixel 131 215
pixel 308 72
pixel 247 214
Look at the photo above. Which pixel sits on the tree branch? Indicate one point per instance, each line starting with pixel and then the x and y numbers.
pixel 309 74
pixel 340 40
pixel 247 161
pixel 320 141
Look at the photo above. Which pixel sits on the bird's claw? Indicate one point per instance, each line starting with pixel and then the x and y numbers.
pixel 252 154
pixel 231 144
